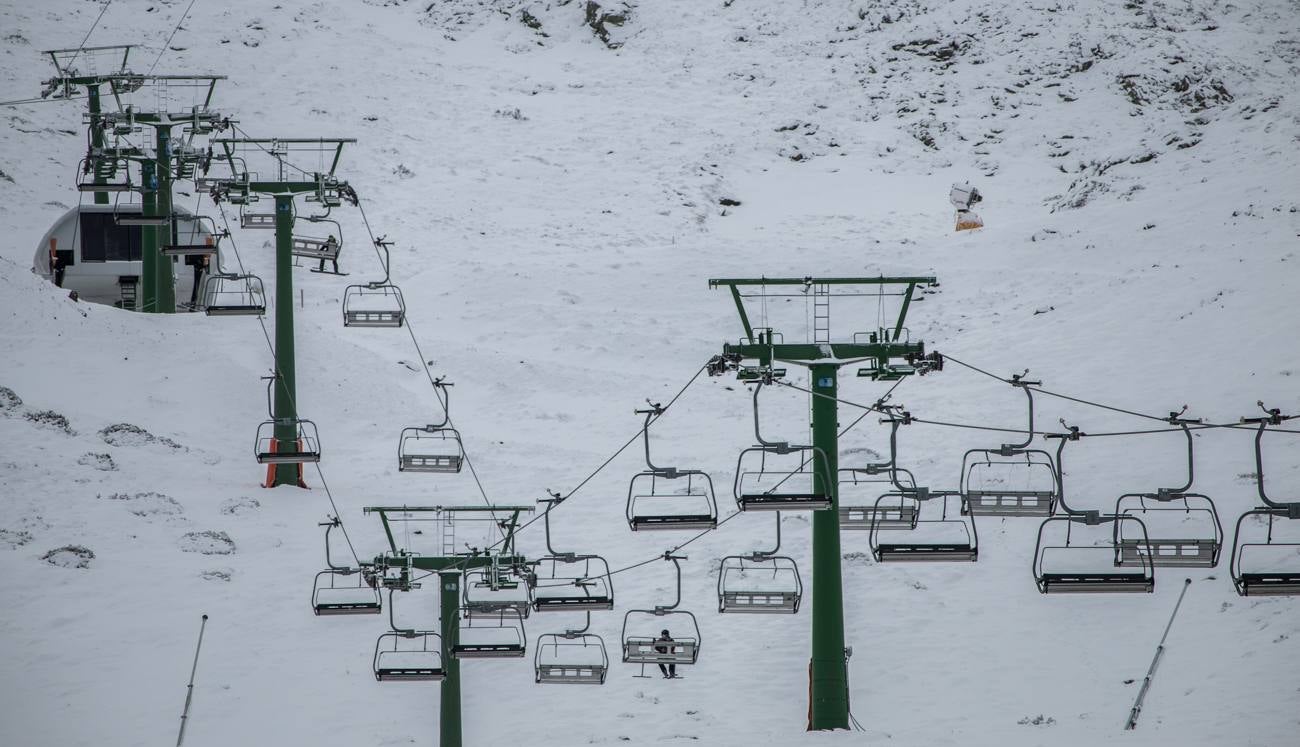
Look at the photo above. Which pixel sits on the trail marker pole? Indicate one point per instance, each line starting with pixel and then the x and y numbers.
pixel 189 690
pixel 1155 662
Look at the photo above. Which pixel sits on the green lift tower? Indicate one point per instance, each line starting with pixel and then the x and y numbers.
pixel 885 353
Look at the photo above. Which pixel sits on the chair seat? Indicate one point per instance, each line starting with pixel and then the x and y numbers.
pixel 1169 553
pixel 649 523
pixel 348 608
pixel 1270 584
pixel 287 457
pixel 409 674
pixel 572 604
pixel 1084 583
pixel 886 553
pixel 487 651
pixel 570 674
pixel 784 501
pixel 760 602
pixel 1009 502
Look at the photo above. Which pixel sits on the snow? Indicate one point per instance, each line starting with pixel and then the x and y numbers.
pixel 557 208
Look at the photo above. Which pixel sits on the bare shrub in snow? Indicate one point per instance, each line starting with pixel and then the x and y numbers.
pixel 242 504
pixel 9 401
pixel 126 434
pixel 51 419
pixel 101 462
pixel 207 543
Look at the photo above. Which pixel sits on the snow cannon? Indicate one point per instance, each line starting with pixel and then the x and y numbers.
pixel 962 197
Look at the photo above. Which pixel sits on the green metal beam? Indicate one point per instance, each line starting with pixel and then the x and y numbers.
pixel 828 671
pixel 150 257
pixel 841 351
pixel 882 280
pixel 165 282
pixel 902 313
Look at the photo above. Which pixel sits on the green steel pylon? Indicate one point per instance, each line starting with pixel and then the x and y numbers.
pixel 762 348
pixel 283 182
pixel 450 568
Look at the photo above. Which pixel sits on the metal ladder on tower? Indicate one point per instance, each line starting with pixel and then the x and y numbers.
pixel 448 535
pixel 821 313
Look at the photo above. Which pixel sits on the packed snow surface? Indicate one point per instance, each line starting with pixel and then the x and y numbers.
pixel 561 181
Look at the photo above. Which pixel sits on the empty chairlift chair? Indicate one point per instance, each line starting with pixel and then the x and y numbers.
pixel 859 489
pixel 1078 551
pixel 570 658
pixel 490 636
pixel 778 476
pixel 643 636
pixel 375 304
pixel 760 582
pixel 938 530
pixel 407 654
pixel 436 447
pixel 252 219
pixel 488 592
pixel 662 498
pixel 1265 558
pixel 572 583
pixel 939 534
pixel 1012 480
pixel 285 440
pixel 190 241
pixel 1183 528
pixel 229 294
pixel 335 592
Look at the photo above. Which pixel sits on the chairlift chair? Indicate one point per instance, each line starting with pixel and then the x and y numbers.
pixel 1068 564
pixel 229 294
pixel 1270 567
pixel 330 596
pixel 407 654
pixel 663 498
pixel 189 245
pixel 304 447
pixel 489 592
pixel 564 583
pixel 911 533
pixel 1183 527
pixel 946 537
pixel 759 584
pixel 497 636
pixel 641 645
pixel 568 581
pixel 375 304
pixel 900 512
pixel 1013 479
pixel 430 448
pixel 778 476
pixel 570 658
pixel 251 219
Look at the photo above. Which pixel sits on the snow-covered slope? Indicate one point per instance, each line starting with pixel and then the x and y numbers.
pixel 556 202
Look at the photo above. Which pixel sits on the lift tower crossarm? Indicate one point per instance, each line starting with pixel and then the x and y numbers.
pixel 828 706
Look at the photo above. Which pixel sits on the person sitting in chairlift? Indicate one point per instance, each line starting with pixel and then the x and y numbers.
pixel 662 647
pixel 332 250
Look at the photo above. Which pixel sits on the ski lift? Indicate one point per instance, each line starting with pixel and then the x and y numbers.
pixel 1270 567
pixel 103 168
pixel 775 475
pixel 1065 564
pixel 760 582
pixel 435 447
pixel 330 596
pixel 949 536
pixel 642 646
pixel 1012 480
pixel 377 303
pixel 496 636
pixel 407 654
pixel 271 446
pixel 230 294
pixel 667 497
pixel 489 592
pixel 568 581
pixel 899 512
pixel 1183 527
pixel 251 219
pixel 574 657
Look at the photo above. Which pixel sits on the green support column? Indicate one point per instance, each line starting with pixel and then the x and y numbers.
pixel 286 390
pixel 829 690
pixel 96 137
pixel 147 298
pixel 449 711
pixel 165 282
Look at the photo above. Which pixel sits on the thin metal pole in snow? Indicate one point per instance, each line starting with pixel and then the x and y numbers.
pixel 1155 662
pixel 189 692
